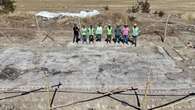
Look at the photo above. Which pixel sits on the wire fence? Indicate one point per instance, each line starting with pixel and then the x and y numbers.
pixel 109 94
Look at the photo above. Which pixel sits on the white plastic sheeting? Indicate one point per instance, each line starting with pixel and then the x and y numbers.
pixel 82 14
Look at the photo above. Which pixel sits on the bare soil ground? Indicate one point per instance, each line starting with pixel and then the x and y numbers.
pixel 25 58
pixel 75 5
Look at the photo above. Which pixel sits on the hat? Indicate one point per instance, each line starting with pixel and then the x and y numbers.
pixel 126 24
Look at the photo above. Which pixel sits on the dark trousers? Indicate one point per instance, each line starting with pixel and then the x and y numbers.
pixel 76 38
pixel 126 39
pixel 109 38
pixel 84 39
pixel 117 38
pixel 135 40
pixel 98 37
pixel 91 38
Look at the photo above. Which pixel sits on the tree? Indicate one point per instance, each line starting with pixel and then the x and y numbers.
pixel 7 6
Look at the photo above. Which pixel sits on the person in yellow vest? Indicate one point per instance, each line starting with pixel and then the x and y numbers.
pixel 91 34
pixel 84 34
pixel 109 34
pixel 99 32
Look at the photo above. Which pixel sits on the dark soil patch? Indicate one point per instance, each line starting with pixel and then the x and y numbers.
pixel 9 73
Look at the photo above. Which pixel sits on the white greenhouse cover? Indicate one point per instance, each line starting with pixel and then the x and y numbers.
pixel 82 14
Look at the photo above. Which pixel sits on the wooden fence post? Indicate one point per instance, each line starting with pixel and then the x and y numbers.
pixel 166 26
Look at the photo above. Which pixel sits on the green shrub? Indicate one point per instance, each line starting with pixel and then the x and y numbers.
pixel 145 7
pixel 7 6
pixel 135 9
pixel 161 13
pixel 131 18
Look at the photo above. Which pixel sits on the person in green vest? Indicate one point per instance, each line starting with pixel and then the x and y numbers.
pixel 91 34
pixel 109 34
pixel 135 33
pixel 99 32
pixel 84 34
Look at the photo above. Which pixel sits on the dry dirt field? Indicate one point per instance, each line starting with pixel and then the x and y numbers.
pixel 75 5
pixel 163 70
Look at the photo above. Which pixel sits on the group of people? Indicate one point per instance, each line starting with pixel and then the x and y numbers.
pixel 120 34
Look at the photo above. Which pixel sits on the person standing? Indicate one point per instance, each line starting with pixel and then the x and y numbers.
pixel 109 34
pixel 76 31
pixel 84 34
pixel 125 33
pixel 117 32
pixel 135 33
pixel 91 34
pixel 99 32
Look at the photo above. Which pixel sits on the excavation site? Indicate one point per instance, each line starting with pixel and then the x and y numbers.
pixel 97 55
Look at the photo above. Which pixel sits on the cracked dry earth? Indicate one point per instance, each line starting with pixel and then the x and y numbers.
pixel 95 67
